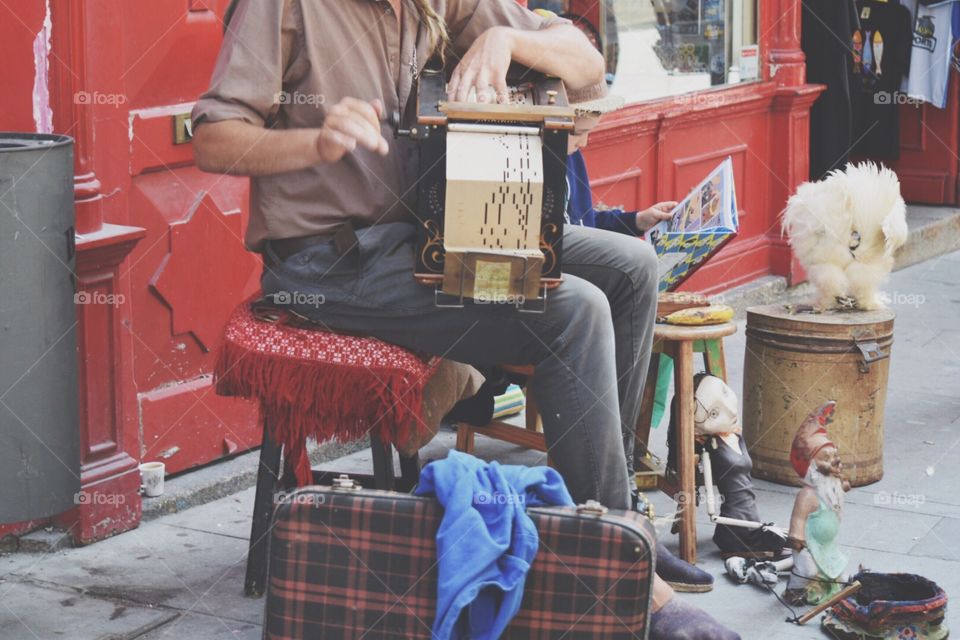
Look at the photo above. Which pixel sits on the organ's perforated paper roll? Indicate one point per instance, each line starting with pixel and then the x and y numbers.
pixel 494 188
pixel 494 201
pixel 491 190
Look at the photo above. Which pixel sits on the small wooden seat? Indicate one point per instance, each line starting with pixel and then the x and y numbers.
pixel 680 343
pixel 530 436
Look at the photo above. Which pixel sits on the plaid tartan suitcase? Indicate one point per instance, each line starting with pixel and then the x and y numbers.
pixel 356 563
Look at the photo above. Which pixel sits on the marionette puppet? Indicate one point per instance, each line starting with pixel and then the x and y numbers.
pixel 725 461
pixel 819 565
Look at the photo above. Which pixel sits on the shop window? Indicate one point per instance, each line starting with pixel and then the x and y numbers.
pixel 659 48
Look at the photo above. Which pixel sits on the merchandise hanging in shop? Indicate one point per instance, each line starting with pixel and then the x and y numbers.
pixel 934 37
pixel 880 53
pixel 956 36
pixel 827 59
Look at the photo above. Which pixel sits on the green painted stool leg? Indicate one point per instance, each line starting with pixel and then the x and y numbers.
pixel 712 351
pixel 664 376
pixel 713 359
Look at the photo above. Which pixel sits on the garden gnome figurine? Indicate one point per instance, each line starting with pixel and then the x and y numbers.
pixel 819 564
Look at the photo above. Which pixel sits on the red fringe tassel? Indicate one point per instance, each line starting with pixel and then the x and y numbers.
pixel 301 399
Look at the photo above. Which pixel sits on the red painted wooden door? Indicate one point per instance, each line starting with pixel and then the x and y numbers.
pixel 191 270
pixel 930 150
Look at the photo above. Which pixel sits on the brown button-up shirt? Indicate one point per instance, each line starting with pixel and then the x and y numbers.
pixel 285 62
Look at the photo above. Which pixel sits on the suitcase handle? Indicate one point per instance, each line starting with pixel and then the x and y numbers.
pixel 592 507
pixel 343 481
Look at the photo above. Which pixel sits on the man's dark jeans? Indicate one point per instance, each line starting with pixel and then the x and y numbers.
pixel 591 347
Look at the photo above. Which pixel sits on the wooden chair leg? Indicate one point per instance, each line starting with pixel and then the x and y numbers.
pixel 686 462
pixel 465 438
pixel 383 474
pixel 532 413
pixel 268 475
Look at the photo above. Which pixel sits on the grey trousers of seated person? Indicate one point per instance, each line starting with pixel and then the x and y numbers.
pixel 591 347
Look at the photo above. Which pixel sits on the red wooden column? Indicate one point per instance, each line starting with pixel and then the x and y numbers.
pixel 785 63
pixel 86 89
pixel 780 42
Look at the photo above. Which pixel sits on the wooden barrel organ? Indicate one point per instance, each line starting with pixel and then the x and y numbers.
pixel 492 191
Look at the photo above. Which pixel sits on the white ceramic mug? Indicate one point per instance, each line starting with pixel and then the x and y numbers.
pixel 151 478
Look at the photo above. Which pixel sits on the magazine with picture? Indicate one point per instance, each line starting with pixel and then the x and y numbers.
pixel 697 228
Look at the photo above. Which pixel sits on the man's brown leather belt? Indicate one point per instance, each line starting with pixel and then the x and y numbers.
pixel 286 247
pixel 345 240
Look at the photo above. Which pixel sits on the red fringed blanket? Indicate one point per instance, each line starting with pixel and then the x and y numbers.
pixel 314 383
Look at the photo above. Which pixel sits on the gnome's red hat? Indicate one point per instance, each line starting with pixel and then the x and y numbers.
pixel 811 438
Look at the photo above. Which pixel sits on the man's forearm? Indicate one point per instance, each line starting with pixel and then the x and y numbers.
pixel 239 148
pixel 562 51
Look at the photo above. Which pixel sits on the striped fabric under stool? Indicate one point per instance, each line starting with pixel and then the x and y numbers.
pixel 510 403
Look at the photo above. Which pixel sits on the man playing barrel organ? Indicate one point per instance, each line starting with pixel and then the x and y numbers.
pixel 322 169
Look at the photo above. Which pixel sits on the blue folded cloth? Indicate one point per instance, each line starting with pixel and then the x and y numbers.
pixel 486 541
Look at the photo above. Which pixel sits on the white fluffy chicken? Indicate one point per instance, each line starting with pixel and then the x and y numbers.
pixel 845 230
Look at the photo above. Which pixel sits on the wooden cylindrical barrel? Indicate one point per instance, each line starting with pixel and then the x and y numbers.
pixel 794 363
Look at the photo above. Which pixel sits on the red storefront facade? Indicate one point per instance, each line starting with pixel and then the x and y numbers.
pixel 930 150
pixel 165 239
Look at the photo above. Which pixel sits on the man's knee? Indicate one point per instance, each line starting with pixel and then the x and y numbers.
pixel 645 262
pixel 638 260
pixel 593 307
pixel 582 309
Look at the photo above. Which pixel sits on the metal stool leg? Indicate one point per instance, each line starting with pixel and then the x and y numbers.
pixel 383 475
pixel 409 472
pixel 268 474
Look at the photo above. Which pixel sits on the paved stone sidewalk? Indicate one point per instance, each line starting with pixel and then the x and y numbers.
pixel 180 576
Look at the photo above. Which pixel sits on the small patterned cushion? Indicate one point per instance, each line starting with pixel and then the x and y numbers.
pixel 315 383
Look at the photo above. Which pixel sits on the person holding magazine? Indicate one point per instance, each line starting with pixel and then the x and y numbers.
pixel 580 206
pixel 582 211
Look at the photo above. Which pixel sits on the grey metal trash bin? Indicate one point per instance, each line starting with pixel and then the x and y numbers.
pixel 39 414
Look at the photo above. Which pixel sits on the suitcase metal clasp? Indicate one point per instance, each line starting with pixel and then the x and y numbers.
pixel 345 482
pixel 592 507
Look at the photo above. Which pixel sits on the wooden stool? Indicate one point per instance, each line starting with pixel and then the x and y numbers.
pixel 530 436
pixel 680 343
pixel 314 383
